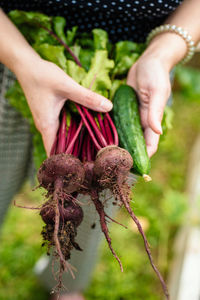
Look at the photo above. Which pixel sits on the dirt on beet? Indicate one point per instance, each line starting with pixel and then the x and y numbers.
pixel 65 166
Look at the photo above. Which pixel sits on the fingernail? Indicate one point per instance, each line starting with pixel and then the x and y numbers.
pixel 160 128
pixel 149 151
pixel 106 106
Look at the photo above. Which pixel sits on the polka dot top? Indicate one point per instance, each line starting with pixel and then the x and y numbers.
pixel 122 19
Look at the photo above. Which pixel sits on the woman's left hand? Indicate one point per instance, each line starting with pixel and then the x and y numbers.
pixel 150 78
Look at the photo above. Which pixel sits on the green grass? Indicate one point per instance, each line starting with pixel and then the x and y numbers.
pixel 161 204
pixel 20 249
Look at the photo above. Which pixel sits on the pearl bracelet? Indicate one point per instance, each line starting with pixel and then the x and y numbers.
pixel 181 32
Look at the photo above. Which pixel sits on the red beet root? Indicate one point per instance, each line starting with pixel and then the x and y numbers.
pixel 64 166
pixel 102 215
pixel 61 175
pixel 112 165
pixel 72 212
pixel 111 170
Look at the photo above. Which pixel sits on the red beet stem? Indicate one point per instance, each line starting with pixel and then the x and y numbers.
pixel 88 127
pixel 69 131
pixel 64 44
pixel 108 131
pixel 84 149
pixel 115 134
pixel 95 127
pixel 93 81
pixel 93 151
pixel 62 134
pixel 74 127
pixel 113 220
pixel 72 132
pixel 76 147
pixel 57 189
pixel 104 228
pixel 89 154
pixel 27 207
pixel 146 244
pixel 54 146
pixel 71 144
pixel 101 125
pixel 80 145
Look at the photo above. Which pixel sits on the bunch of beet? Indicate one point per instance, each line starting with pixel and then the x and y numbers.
pixel 85 159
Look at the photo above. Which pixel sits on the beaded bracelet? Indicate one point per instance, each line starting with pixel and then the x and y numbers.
pixel 181 32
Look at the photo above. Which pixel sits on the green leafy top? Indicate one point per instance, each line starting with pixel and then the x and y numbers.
pixel 97 78
pixel 102 68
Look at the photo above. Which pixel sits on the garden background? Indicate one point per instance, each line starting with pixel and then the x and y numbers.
pixel 161 206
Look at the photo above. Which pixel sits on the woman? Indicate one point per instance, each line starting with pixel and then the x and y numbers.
pixel 47 87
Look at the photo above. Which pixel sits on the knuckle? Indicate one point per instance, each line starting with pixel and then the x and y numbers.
pixel 46 125
pixel 87 99
pixel 91 98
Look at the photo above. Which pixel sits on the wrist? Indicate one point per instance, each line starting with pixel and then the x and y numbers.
pixel 167 47
pixel 23 61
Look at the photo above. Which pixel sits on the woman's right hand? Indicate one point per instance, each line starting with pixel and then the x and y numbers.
pixel 46 88
pixel 45 85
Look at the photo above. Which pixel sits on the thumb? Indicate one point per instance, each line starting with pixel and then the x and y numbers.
pixel 86 97
pixel 48 136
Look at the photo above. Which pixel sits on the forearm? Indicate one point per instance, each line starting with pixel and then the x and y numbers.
pixel 187 15
pixel 15 52
pixel 170 47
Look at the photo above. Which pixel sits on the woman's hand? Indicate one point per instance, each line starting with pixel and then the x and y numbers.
pixel 45 85
pixel 150 78
pixel 46 88
pixel 150 74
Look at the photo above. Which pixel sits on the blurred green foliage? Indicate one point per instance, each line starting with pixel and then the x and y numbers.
pixel 188 79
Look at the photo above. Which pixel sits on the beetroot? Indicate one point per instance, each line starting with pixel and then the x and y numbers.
pixel 71 212
pixel 64 166
pixel 61 175
pixel 112 165
pixel 111 169
pixel 100 209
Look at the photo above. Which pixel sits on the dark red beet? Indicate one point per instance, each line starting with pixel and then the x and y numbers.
pixel 111 168
pixel 47 213
pixel 73 212
pixel 112 165
pixel 64 166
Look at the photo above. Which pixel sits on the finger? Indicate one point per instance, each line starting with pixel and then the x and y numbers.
pixel 144 110
pixel 157 102
pixel 131 77
pixel 47 123
pixel 152 140
pixel 86 97
pixel 49 135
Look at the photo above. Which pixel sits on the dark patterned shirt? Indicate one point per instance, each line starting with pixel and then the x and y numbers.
pixel 122 19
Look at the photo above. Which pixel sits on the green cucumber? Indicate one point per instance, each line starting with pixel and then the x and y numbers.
pixel 127 122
